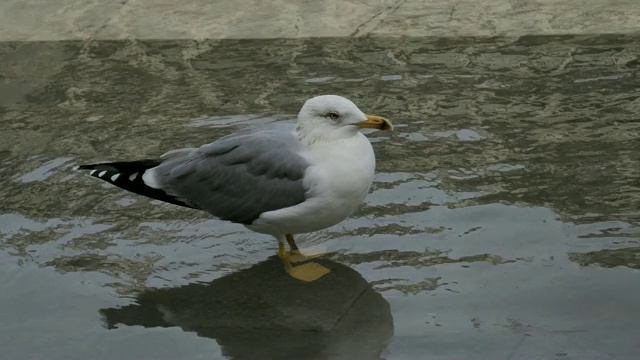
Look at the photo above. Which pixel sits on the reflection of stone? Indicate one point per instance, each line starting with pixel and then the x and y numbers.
pixel 259 312
pixel 609 258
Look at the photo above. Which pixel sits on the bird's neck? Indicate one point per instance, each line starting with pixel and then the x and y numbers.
pixel 323 134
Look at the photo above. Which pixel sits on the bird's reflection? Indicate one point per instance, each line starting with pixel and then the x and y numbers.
pixel 261 313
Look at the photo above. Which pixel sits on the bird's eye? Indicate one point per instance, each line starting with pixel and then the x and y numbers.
pixel 333 116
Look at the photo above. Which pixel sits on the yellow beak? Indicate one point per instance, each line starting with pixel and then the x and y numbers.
pixel 375 122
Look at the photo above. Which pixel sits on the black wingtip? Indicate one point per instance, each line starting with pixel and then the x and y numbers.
pixel 129 176
pixel 122 166
pixel 85 167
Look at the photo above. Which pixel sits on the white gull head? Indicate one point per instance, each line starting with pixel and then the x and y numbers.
pixel 332 117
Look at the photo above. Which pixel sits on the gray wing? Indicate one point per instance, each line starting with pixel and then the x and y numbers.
pixel 240 176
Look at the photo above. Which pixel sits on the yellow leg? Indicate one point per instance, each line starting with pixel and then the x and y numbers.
pixel 295 255
pixel 282 254
pixel 305 272
pixel 292 244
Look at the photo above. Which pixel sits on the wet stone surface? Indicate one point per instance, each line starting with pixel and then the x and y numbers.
pixel 503 222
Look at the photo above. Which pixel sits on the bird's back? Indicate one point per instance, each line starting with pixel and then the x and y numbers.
pixel 235 178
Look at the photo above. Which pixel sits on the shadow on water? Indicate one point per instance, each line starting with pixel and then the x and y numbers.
pixel 260 312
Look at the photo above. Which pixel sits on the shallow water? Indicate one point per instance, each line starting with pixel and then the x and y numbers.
pixel 503 222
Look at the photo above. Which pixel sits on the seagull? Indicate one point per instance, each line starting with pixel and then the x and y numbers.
pixel 279 179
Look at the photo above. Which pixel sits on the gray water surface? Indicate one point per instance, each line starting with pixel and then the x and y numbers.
pixel 503 223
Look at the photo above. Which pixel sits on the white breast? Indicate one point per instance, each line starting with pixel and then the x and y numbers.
pixel 338 181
